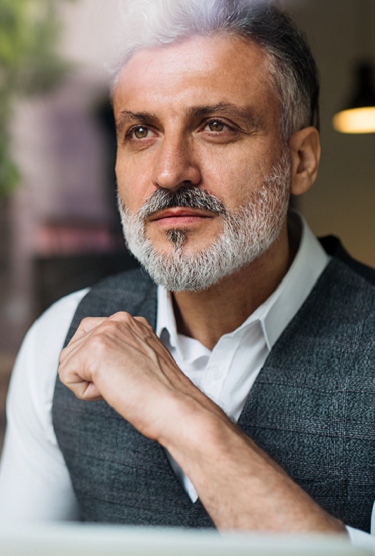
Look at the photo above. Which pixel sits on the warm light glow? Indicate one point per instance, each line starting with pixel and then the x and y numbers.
pixel 356 120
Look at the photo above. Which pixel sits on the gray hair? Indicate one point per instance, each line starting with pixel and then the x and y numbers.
pixel 291 66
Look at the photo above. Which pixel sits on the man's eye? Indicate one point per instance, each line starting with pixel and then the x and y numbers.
pixel 140 132
pixel 216 125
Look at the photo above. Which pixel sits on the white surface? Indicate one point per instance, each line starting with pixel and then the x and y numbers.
pixel 89 540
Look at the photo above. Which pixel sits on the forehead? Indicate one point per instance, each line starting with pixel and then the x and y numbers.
pixel 198 70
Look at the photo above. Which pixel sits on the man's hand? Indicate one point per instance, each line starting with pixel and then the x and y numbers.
pixel 121 360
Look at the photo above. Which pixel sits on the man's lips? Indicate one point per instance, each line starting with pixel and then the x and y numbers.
pixel 179 216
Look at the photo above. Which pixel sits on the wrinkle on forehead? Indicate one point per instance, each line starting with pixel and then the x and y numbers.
pixel 221 67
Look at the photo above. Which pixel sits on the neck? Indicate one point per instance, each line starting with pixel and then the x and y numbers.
pixel 209 314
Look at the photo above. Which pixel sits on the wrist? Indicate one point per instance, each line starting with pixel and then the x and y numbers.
pixel 197 435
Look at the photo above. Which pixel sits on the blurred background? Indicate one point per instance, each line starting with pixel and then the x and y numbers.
pixel 59 229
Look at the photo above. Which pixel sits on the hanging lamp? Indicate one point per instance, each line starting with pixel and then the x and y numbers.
pixel 359 113
pixel 359 116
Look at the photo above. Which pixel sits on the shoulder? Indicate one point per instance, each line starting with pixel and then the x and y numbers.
pixel 34 374
pixel 342 304
pixel 38 357
pixel 34 481
pixel 364 274
pixel 56 319
pixel 131 284
pixel 37 361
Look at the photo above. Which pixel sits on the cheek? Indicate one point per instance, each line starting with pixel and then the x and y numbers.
pixel 133 181
pixel 233 176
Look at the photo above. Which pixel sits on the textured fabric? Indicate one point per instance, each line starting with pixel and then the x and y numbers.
pixel 311 409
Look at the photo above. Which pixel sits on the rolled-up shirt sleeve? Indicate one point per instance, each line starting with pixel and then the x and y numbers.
pixel 34 481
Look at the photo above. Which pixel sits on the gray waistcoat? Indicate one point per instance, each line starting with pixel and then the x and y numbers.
pixel 312 409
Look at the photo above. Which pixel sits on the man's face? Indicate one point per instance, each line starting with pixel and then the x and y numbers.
pixel 200 114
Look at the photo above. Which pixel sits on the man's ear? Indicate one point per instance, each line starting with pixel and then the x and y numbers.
pixel 305 151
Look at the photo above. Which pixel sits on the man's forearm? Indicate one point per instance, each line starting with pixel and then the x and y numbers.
pixel 240 485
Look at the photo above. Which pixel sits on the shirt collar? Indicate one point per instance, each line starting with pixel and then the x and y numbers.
pixel 165 316
pixel 288 298
pixel 279 309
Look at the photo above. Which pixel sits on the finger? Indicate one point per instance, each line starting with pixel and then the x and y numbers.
pixel 91 393
pixel 143 321
pixel 71 348
pixel 82 389
pixel 87 324
pixel 123 316
pixel 138 326
pixel 80 382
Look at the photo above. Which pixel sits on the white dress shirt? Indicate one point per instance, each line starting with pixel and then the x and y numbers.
pixel 34 481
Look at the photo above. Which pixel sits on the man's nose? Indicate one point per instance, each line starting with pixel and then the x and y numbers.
pixel 175 164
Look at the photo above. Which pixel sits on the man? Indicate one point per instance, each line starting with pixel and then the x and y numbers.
pixel 252 322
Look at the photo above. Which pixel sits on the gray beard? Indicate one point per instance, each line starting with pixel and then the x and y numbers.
pixel 247 232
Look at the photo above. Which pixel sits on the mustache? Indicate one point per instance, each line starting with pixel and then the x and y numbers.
pixel 184 197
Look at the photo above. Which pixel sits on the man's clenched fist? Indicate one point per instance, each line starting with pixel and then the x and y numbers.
pixel 121 360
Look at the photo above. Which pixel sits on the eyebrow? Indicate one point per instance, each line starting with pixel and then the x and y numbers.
pixel 126 116
pixel 246 114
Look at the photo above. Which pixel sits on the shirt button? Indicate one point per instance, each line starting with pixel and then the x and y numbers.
pixel 216 373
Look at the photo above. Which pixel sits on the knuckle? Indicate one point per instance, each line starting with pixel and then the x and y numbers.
pixel 62 374
pixel 122 316
pixel 143 321
pixel 86 322
pixel 108 327
pixel 98 340
pixel 97 344
pixel 62 355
